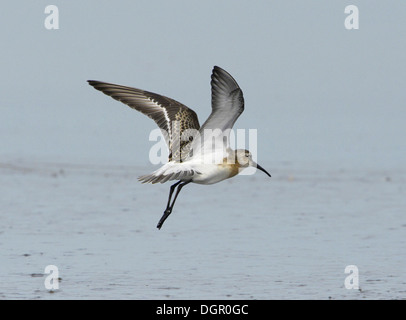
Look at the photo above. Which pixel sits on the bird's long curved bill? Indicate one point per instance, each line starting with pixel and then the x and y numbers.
pixel 262 169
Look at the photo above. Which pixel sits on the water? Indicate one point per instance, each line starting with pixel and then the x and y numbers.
pixel 251 237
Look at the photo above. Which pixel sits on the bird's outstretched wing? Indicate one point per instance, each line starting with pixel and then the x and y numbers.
pixel 227 104
pixel 227 101
pixel 171 116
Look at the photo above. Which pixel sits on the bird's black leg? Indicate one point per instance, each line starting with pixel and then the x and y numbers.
pixel 169 206
pixel 171 192
pixel 168 209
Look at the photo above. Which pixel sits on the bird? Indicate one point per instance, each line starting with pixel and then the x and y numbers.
pixel 191 159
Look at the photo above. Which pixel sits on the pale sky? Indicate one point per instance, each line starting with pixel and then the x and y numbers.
pixel 315 91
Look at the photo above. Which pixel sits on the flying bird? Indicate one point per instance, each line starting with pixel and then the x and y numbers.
pixel 191 158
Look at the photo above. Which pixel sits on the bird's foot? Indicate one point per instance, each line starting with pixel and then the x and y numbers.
pixel 166 214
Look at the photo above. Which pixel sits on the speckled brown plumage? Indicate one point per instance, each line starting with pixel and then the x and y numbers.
pixel 171 116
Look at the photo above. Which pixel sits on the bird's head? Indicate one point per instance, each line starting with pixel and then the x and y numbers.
pixel 244 159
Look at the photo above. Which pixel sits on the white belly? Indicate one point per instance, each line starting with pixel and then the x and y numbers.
pixel 211 174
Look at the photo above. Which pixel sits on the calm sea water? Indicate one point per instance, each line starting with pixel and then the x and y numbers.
pixel 288 237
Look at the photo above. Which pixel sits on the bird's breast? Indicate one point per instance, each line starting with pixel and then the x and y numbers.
pixel 214 173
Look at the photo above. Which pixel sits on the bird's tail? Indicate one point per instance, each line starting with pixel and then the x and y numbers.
pixel 170 171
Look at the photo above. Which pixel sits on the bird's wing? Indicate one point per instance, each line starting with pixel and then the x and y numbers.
pixel 227 101
pixel 227 104
pixel 172 117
